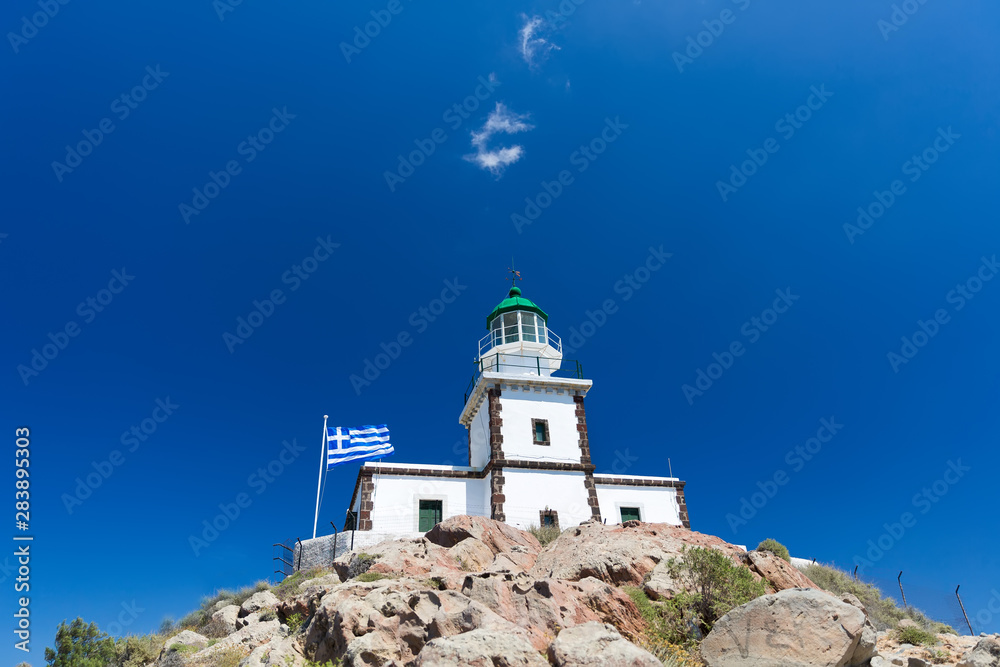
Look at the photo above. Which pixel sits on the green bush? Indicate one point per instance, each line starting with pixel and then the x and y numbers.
pixel 294 622
pixel 544 534
pixel 371 576
pixel 719 585
pixel 775 547
pixel 80 644
pixel 882 611
pixel 916 636
pixel 138 651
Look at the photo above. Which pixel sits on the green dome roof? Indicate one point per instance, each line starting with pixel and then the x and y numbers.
pixel 515 301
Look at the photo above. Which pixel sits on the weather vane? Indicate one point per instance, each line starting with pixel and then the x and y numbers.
pixel 514 275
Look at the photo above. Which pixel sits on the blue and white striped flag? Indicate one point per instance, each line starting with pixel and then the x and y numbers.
pixel 367 442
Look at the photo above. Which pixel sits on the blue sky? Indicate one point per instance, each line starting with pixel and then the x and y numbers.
pixel 739 137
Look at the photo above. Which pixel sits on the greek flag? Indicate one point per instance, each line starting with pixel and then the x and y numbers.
pixel 351 444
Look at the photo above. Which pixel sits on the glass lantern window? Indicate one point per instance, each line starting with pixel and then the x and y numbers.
pixel 528 327
pixel 510 334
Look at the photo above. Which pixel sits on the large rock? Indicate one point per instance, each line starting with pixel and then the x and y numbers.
pixel 780 574
pixel 392 620
pixel 480 648
pixel 258 602
pixel 598 645
pixel 636 553
pixel 543 607
pixel 793 628
pixel 985 654
pixel 226 618
pixel 498 536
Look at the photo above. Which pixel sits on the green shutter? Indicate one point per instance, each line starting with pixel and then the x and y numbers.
pixel 630 514
pixel 430 514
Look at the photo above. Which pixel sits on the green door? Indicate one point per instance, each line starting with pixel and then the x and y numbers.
pixel 430 514
pixel 630 514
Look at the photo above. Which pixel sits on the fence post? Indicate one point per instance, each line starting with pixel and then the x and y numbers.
pixel 855 571
pixel 899 580
pixel 299 540
pixel 334 541
pixel 971 631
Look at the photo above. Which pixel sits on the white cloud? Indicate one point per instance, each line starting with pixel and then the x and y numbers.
pixel 534 47
pixel 501 120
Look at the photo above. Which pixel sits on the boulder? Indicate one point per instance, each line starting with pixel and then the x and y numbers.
pixel 794 627
pixel 226 617
pixel 598 645
pixel 985 654
pixel 281 651
pixel 259 601
pixel 780 574
pixel 543 607
pixel 248 638
pixel 480 648
pixel 905 623
pixel 403 613
pixel 496 535
pixel 247 620
pixel 187 638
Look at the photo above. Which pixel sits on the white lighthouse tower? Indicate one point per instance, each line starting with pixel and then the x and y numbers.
pixel 528 445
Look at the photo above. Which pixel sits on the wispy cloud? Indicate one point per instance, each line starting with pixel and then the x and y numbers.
pixel 500 120
pixel 534 47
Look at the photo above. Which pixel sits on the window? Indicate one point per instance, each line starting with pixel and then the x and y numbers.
pixel 540 429
pixel 510 328
pixel 548 518
pixel 430 514
pixel 630 514
pixel 497 332
pixel 528 327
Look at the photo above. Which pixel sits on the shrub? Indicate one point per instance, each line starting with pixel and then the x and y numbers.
pixel 916 636
pixel 214 629
pixel 719 584
pixel 138 651
pixel 882 611
pixel 371 576
pixel 775 547
pixel 80 644
pixel 268 615
pixel 230 657
pixel 294 622
pixel 545 534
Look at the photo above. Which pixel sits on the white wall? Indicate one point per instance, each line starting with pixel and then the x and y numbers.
pixel 479 432
pixel 657 504
pixel 396 500
pixel 520 407
pixel 528 491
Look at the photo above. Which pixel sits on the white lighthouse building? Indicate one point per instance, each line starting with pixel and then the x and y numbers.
pixel 531 461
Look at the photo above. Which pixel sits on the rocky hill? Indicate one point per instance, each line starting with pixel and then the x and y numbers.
pixel 476 592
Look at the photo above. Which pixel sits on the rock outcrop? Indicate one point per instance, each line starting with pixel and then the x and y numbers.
pixel 478 592
pixel 793 628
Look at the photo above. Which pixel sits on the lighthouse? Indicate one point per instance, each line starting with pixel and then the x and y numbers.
pixel 531 461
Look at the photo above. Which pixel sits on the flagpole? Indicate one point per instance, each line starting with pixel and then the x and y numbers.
pixel 322 455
